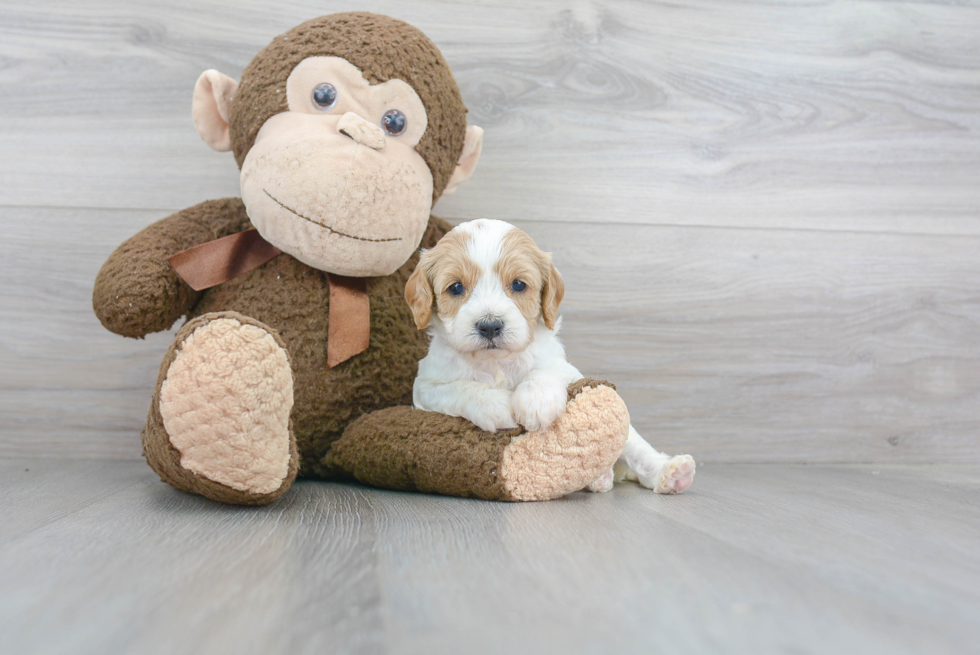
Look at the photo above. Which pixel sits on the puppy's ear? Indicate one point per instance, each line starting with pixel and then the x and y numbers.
pixel 418 293
pixel 551 294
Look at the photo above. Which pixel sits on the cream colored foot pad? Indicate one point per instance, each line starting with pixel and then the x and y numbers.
pixel 225 405
pixel 583 444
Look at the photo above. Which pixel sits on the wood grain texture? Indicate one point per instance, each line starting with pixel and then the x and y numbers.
pixel 755 559
pixel 826 115
pixel 768 214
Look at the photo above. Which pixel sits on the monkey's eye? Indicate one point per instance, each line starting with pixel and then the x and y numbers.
pixel 394 122
pixel 324 96
pixel 456 289
pixel 518 286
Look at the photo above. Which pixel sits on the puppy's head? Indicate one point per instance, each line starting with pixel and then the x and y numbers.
pixel 489 285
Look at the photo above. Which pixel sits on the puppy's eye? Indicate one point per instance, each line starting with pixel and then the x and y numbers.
pixel 456 289
pixel 518 286
pixel 324 96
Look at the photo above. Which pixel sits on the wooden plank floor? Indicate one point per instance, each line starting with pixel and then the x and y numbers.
pixel 101 557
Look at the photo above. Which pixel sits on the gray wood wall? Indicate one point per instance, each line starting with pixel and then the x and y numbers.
pixel 767 214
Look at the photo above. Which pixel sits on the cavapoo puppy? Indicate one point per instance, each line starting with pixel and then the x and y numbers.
pixel 495 357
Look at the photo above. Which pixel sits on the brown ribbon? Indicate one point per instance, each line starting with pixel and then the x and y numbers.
pixel 214 262
pixel 350 319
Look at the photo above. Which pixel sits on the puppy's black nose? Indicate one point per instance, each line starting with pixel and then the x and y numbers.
pixel 490 330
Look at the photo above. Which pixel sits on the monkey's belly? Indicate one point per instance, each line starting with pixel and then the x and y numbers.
pixel 293 299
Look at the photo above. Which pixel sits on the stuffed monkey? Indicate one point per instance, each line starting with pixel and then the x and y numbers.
pixel 300 351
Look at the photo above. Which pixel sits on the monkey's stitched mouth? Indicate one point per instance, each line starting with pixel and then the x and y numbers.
pixel 326 227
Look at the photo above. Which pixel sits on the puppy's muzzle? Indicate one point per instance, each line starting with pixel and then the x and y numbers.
pixel 490 329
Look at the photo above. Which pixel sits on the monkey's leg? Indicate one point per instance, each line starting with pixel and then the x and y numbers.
pixel 219 421
pixel 409 449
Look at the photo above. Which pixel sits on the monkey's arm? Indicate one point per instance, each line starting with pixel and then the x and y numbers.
pixel 137 292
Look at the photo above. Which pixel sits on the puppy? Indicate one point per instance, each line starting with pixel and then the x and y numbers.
pixel 495 357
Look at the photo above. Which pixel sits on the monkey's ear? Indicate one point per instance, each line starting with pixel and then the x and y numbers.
pixel 212 108
pixel 418 293
pixel 551 295
pixel 472 147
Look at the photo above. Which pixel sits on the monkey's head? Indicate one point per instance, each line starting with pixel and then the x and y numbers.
pixel 347 129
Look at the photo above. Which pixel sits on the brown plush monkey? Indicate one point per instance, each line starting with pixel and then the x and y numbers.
pixel 300 351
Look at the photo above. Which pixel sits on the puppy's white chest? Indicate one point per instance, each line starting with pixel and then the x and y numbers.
pixel 500 379
pixel 498 375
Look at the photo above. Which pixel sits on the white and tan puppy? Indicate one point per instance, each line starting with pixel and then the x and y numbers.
pixel 495 357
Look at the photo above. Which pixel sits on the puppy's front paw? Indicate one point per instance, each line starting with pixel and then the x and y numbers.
pixel 536 406
pixel 493 411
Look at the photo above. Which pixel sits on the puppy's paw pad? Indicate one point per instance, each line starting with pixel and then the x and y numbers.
pixel 602 484
pixel 676 475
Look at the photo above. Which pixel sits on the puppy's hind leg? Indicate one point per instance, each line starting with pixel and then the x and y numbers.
pixel 654 470
pixel 603 483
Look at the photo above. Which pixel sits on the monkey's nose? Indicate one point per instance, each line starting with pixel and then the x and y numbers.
pixel 363 132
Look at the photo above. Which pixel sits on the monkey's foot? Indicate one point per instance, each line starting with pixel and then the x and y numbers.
pixel 219 421
pixel 578 449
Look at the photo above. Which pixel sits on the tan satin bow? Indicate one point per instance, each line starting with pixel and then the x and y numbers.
pixel 214 262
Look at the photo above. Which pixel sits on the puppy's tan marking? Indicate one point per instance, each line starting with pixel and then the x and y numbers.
pixel 521 259
pixel 439 268
pixel 551 295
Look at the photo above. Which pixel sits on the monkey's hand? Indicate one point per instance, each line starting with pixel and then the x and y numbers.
pixel 137 292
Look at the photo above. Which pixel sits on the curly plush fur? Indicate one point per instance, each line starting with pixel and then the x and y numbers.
pixel 384 49
pixel 137 293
